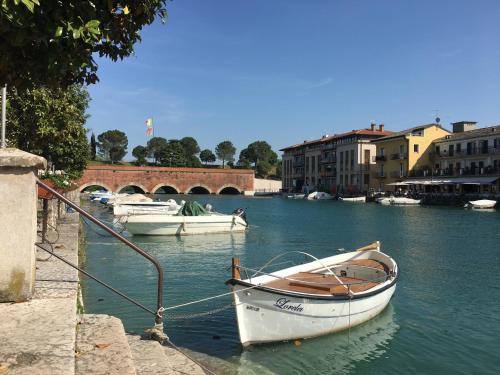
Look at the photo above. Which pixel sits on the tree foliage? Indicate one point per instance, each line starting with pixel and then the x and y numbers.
pixel 190 146
pixel 225 151
pixel 140 153
pixel 50 123
pixel 207 156
pixel 112 145
pixel 260 151
pixel 172 155
pixel 155 146
pixel 53 42
pixel 93 147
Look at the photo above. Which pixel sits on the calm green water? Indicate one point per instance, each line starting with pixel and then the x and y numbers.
pixel 443 319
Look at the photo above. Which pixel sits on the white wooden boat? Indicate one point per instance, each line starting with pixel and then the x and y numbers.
pixel 294 196
pixel 319 195
pixel 353 199
pixel 170 207
pixel 174 225
pixel 482 204
pixel 398 201
pixel 320 297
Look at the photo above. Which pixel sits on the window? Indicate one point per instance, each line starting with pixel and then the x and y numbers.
pixel 313 164
pixel 415 148
pixel 401 150
pixel 438 150
pixel 352 158
pixel 382 170
pixel 458 148
pixel 401 172
pixel 451 150
pixel 382 151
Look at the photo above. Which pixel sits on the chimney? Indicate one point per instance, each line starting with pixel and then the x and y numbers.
pixel 372 126
pixel 381 128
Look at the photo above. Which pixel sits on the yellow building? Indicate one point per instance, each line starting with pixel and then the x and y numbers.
pixel 404 154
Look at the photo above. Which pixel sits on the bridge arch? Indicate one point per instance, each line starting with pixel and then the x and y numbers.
pixel 198 189
pixel 138 188
pixel 93 183
pixel 169 189
pixel 229 189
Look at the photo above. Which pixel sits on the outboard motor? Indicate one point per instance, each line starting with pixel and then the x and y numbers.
pixel 208 207
pixel 241 213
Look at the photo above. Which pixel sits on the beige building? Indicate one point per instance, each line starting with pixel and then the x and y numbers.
pixel 333 162
pixel 468 151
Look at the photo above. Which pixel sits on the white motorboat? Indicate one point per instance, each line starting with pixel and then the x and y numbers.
pixel 481 204
pixel 200 222
pixel 128 198
pixel 319 195
pixel 294 196
pixel 170 207
pixel 398 201
pixel 353 199
pixel 320 297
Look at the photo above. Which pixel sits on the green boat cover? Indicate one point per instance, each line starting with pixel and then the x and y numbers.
pixel 192 209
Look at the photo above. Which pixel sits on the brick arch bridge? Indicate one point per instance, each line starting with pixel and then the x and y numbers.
pixel 181 180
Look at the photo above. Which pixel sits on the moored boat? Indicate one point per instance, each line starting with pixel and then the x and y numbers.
pixel 353 199
pixel 170 207
pixel 319 195
pixel 186 221
pixel 320 297
pixel 398 201
pixel 294 196
pixel 482 204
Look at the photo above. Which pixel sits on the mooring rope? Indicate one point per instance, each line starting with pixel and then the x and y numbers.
pixel 208 298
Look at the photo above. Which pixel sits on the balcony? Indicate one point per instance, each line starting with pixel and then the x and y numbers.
pixel 484 171
pixel 470 152
pixel 399 156
pixel 380 158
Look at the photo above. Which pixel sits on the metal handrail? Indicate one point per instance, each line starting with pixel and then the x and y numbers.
pixel 159 299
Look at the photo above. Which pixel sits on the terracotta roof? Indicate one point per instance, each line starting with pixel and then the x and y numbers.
pixel 406 132
pixel 367 132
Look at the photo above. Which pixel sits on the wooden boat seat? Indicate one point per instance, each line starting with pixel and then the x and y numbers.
pixel 315 283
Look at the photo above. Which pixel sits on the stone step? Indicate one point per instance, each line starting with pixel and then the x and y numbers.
pixel 102 347
pixel 151 359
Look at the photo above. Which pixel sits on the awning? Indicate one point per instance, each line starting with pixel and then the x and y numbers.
pixel 449 181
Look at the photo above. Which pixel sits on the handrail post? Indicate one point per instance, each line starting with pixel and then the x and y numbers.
pixel 137 249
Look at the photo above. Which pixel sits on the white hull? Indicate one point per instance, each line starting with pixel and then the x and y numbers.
pixel 399 201
pixel 141 208
pixel 280 307
pixel 353 199
pixel 260 321
pixel 319 195
pixel 294 196
pixel 482 204
pixel 172 225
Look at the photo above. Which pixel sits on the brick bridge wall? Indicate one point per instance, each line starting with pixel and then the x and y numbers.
pixel 150 179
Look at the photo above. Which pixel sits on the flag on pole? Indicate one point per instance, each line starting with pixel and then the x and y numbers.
pixel 149 130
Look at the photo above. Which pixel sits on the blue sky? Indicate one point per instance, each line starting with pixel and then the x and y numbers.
pixel 286 71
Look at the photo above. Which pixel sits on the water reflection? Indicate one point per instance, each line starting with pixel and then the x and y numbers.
pixel 332 354
pixel 215 242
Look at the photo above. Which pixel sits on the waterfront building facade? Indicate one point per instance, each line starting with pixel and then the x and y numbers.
pixel 405 154
pixel 468 151
pixel 339 162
